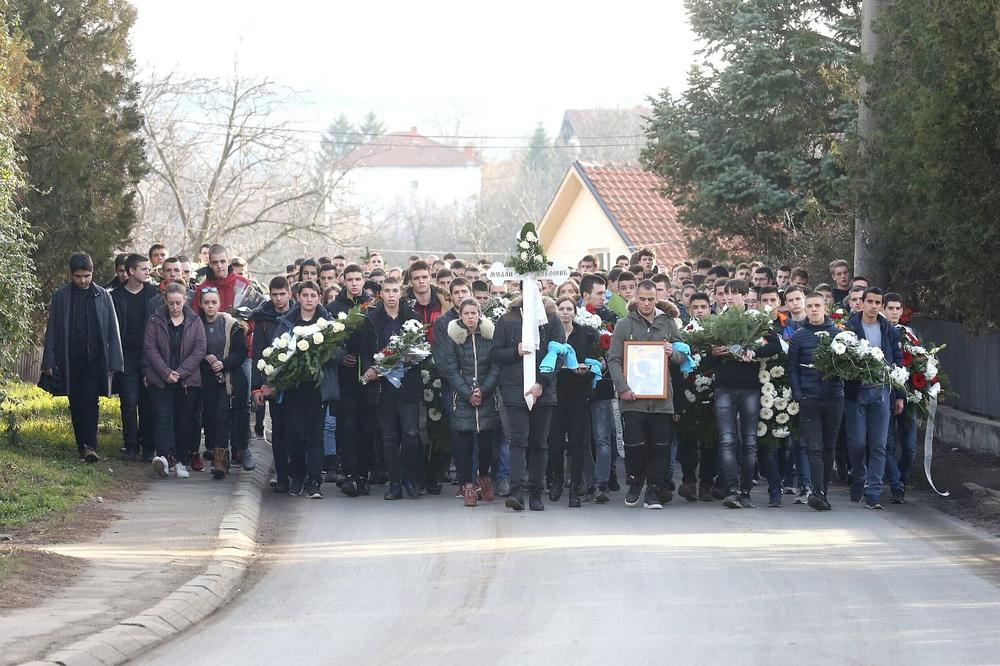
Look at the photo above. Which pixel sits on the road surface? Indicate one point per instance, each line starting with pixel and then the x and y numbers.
pixel 428 581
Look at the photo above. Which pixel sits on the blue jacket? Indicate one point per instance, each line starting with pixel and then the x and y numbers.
pixel 890 348
pixel 806 380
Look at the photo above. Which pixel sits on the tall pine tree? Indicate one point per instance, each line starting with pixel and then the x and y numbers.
pixel 751 150
pixel 83 151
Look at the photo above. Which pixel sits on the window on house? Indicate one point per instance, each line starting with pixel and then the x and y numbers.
pixel 603 256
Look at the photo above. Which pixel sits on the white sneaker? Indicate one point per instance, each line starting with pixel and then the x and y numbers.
pixel 181 471
pixel 161 467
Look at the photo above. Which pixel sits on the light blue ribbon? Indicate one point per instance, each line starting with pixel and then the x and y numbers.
pixel 557 349
pixel 595 368
pixel 688 366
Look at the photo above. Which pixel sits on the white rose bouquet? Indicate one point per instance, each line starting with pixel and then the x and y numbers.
pixel 405 350
pixel 529 256
pixel 852 359
pixel 298 355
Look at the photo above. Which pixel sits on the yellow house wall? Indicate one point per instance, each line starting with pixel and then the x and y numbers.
pixel 584 229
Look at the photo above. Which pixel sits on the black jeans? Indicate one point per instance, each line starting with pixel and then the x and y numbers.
pixel 730 403
pixel 819 427
pixel 84 388
pixel 400 424
pixel 239 411
pixel 354 431
pixel 569 430
pixel 464 462
pixel 529 431
pixel 647 439
pixel 176 430
pixel 279 441
pixel 697 460
pixel 215 415
pixel 304 422
pixel 137 413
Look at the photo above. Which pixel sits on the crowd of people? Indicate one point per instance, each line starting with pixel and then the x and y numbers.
pixel 183 344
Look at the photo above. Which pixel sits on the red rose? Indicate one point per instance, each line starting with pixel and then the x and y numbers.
pixel 907 358
pixel 934 381
pixel 919 381
pixel 590 309
pixel 836 315
pixel 605 341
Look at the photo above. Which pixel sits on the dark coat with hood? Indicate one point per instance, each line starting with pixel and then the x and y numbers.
pixel 265 329
pixel 466 358
pixel 504 354
pixel 371 340
pixel 156 349
pixel 345 303
pixel 56 352
pixel 330 383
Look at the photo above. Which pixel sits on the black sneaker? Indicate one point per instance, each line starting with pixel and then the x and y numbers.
pixel 280 487
pixel 732 501
pixel 395 492
pixel 515 501
pixel 633 493
pixel 315 491
pixel 898 496
pixel 818 502
pixel 652 500
pixel 363 488
pixel 613 482
pixel 601 496
pixel 745 501
pixel 873 504
pixel 259 431
pixel 349 487
pixel 555 492
pixel 803 497
pixel 666 493
pixel 535 501
pixel 295 487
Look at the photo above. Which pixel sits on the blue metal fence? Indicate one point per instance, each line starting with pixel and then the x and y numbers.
pixel 972 363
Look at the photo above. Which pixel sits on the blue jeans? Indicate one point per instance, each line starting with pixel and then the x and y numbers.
pixel 867 428
pixel 329 434
pixel 602 421
pixel 902 441
pixel 730 404
pixel 797 463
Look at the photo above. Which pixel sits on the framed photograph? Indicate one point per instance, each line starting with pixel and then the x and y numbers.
pixel 646 370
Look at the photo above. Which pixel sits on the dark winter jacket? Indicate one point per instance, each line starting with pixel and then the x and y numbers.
pixel 429 314
pixel 233 354
pixel 572 386
pixel 266 329
pixel 806 380
pixel 156 350
pixel 636 327
pixel 330 384
pixel 371 340
pixel 56 352
pixel 890 348
pixel 349 376
pixel 504 354
pixel 465 359
pixel 731 373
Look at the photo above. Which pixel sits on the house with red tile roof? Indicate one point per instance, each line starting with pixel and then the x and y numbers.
pixel 607 210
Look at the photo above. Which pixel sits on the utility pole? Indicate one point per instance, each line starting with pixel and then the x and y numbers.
pixel 869 246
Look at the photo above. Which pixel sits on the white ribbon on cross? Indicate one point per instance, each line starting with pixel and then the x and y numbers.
pixel 532 315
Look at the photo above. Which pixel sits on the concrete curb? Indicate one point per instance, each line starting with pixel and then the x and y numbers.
pixel 195 600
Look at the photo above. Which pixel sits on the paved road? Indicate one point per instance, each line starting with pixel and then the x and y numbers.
pixel 431 582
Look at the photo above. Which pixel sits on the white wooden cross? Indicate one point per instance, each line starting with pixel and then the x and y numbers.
pixel 532 313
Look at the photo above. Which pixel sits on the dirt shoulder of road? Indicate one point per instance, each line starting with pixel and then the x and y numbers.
pixel 951 468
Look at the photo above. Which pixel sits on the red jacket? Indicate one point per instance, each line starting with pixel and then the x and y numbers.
pixel 226 287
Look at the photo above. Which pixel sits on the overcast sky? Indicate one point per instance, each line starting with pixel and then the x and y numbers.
pixel 433 63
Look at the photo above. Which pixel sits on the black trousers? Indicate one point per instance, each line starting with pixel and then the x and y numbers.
pixel 84 388
pixel 354 430
pixel 647 446
pixel 400 425
pixel 697 460
pixel 464 458
pixel 239 411
pixel 279 442
pixel 137 412
pixel 529 432
pixel 176 430
pixel 304 421
pixel 819 426
pixel 215 415
pixel 569 431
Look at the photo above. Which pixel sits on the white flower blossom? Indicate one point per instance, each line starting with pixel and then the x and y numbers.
pixel 317 338
pixel 838 348
pixel 267 352
pixel 425 376
pixel 781 418
pixel 934 390
pixel 268 370
pixel 823 334
pixel 766 413
pixel 261 364
pixel 280 343
pixel 691 397
pixel 932 369
pixel 786 393
pixel 436 383
pixel 761 429
pixel 303 345
pixel 524 245
pixel 781 433
pixel 778 371
pixel 899 375
pixel 764 376
pixel 877 353
pixel 323 323
pixel 524 256
pixel 434 414
pixel 297 330
pixel 342 316
pixel 282 357
pixel 530 237
pixel 793 408
pixel 781 404
pixel 428 395
pixel 338 327
pixel 767 388
pixel 766 401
